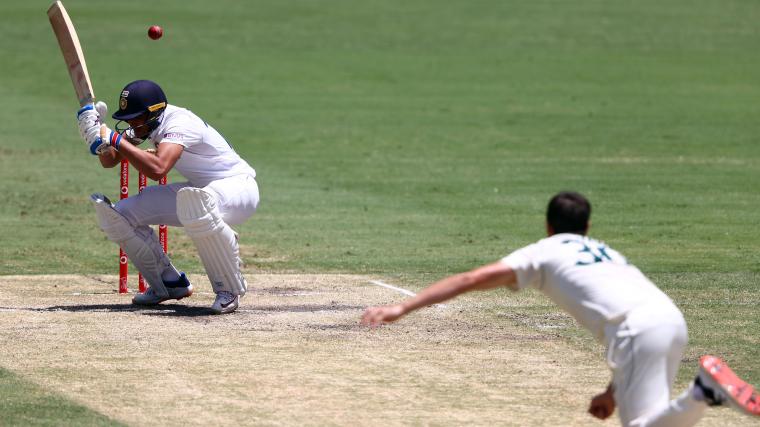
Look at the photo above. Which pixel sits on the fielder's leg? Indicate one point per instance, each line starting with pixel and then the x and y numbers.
pixel 217 246
pixel 144 250
pixel 644 376
pixel 717 385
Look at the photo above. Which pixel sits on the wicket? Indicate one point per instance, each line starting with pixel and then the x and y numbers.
pixel 142 182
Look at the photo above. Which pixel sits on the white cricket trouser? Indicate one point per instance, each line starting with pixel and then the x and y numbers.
pixel 644 352
pixel 237 198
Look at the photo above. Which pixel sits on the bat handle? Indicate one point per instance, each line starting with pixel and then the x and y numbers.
pixel 104 132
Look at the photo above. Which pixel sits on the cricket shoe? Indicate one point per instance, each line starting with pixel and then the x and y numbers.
pixel 721 386
pixel 178 289
pixel 225 302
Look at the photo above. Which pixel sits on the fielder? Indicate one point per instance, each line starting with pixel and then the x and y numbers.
pixel 644 332
pixel 220 191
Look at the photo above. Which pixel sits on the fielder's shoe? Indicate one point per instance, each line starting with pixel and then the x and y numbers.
pixel 225 303
pixel 178 289
pixel 721 386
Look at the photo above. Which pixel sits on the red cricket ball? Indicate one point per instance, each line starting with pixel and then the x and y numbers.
pixel 155 32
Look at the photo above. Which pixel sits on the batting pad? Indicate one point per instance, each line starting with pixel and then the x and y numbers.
pixel 140 244
pixel 214 239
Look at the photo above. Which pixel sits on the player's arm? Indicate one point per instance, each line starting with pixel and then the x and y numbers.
pixel 112 147
pixel 486 277
pixel 109 158
pixel 154 166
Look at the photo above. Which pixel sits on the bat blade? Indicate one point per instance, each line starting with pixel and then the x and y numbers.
pixel 72 52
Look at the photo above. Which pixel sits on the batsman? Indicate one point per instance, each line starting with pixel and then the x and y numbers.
pixel 220 192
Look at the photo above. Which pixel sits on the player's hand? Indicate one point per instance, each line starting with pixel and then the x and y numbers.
pixel 89 123
pixel 107 138
pixel 602 405
pixel 90 117
pixel 376 316
pixel 96 135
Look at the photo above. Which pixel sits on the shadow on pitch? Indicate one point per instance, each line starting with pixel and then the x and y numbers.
pixel 179 310
pixel 168 310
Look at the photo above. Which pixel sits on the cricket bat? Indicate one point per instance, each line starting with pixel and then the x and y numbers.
pixel 72 52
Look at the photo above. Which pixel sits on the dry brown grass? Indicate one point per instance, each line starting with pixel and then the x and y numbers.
pixel 294 354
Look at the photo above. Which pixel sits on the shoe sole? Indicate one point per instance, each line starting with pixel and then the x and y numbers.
pixel 225 310
pixel 717 375
pixel 145 304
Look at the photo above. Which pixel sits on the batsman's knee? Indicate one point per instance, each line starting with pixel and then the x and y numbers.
pixel 215 240
pixel 111 221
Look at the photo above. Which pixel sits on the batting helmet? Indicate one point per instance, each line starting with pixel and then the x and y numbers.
pixel 141 97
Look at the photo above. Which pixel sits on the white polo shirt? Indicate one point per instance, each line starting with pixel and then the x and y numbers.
pixel 207 156
pixel 589 280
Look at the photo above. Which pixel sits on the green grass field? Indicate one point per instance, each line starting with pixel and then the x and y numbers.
pixel 415 139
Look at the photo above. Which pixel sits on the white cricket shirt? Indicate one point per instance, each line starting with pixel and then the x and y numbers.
pixel 586 278
pixel 207 156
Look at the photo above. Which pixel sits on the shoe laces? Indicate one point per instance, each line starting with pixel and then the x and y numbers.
pixel 225 296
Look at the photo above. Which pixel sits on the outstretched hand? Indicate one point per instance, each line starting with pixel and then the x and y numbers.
pixel 376 316
pixel 602 405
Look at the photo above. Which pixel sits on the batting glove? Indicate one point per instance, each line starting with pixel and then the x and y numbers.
pixel 96 135
pixel 102 110
pixel 89 123
pixel 108 139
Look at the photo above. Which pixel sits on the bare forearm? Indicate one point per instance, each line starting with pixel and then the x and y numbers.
pixel 147 163
pixel 109 158
pixel 440 291
pixel 487 277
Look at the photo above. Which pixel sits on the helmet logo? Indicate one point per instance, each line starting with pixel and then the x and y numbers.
pixel 123 100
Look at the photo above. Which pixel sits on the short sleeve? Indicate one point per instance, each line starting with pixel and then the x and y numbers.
pixel 526 263
pixel 179 130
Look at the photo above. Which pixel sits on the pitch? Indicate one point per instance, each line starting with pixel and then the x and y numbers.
pixel 296 355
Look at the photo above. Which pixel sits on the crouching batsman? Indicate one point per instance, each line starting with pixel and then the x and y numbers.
pixel 220 191
pixel 644 332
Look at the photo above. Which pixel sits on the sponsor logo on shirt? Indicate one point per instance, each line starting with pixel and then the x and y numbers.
pixel 174 135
